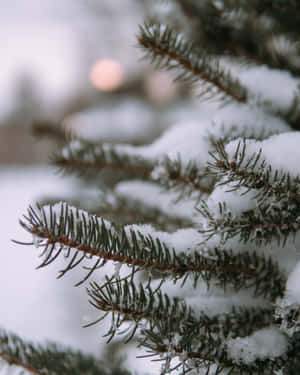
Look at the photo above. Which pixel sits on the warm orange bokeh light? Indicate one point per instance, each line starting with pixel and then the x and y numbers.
pixel 106 75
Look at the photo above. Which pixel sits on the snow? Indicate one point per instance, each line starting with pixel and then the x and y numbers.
pixel 185 140
pixel 131 119
pixel 293 285
pixel 215 302
pixel 210 300
pixel 281 151
pixel 265 343
pixel 234 119
pixel 183 240
pixel 152 195
pixel 235 201
pixel 274 86
pixel 190 140
pixel 127 120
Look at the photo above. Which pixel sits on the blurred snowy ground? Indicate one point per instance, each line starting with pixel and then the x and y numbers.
pixel 33 303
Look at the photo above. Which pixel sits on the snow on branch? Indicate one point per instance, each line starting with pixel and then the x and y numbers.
pixel 185 179
pixel 60 229
pixel 261 188
pixel 261 225
pixel 152 196
pixel 139 305
pixel 80 156
pixel 239 169
pixel 127 209
pixel 193 350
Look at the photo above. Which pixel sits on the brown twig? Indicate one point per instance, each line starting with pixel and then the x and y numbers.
pixel 10 360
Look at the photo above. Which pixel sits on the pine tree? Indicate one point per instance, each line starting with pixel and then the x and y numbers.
pixel 208 281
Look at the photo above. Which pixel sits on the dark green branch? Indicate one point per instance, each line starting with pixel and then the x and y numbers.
pixel 188 179
pixel 170 51
pixel 129 303
pixel 261 225
pixel 57 361
pixel 81 156
pixel 64 228
pixel 250 171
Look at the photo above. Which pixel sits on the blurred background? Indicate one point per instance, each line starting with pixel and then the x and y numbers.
pixel 67 66
pixel 75 63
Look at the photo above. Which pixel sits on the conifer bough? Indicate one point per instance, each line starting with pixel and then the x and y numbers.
pixel 219 295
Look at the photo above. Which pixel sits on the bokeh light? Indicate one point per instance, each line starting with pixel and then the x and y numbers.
pixel 106 75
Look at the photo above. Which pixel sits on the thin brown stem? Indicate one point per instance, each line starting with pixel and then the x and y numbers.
pixel 158 316
pixel 76 163
pixel 161 49
pixel 108 255
pixel 10 360
pixel 195 186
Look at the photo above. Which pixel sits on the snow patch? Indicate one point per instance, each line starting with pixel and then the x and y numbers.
pixel 267 343
pixel 152 195
pixel 281 151
pixel 183 240
pixel 271 85
pixel 235 119
pixel 292 286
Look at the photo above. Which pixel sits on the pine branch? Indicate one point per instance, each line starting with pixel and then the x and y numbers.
pixel 286 13
pixel 48 359
pixel 266 21
pixel 262 225
pixel 80 156
pixel 172 316
pixel 215 33
pixel 48 130
pixel 126 302
pixel 191 355
pixel 235 132
pixel 63 228
pixel 168 50
pixel 196 351
pixel 219 28
pixel 251 172
pixel 186 180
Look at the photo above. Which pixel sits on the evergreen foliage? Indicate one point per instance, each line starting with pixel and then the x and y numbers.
pixel 49 359
pixel 231 313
